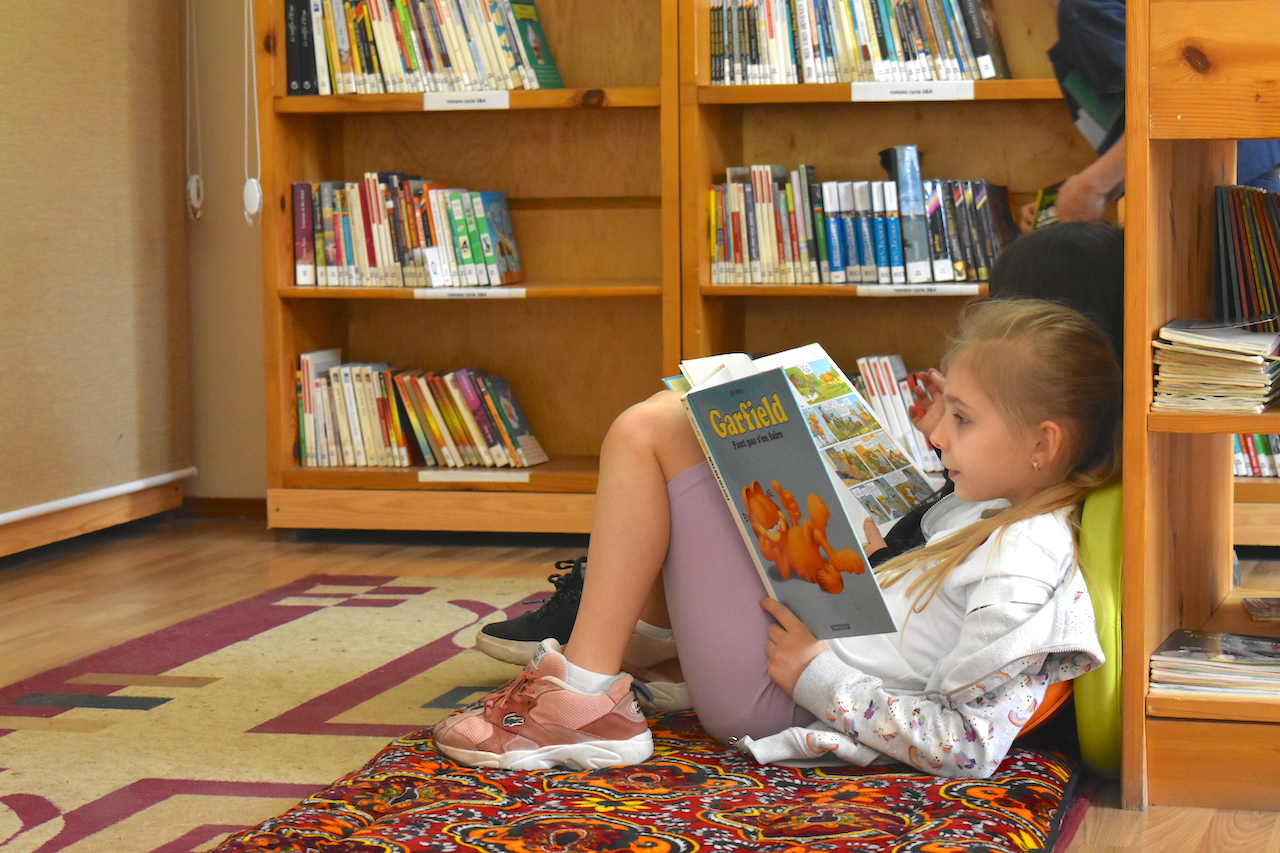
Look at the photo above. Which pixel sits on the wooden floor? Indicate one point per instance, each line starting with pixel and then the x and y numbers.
pixel 63 601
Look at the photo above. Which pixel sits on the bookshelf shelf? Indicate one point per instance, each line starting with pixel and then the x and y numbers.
pixel 567 474
pixel 836 93
pixel 536 99
pixel 1205 422
pixel 524 290
pixel 1259 489
pixel 827 291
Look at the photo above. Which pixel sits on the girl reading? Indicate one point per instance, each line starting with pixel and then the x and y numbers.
pixel 992 608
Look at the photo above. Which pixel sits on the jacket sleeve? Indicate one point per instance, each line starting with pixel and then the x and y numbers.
pixel 929 732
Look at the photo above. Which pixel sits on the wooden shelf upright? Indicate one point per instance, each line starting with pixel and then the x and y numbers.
pixel 1201 75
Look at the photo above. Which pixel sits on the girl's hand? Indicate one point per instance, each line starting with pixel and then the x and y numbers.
pixel 874 540
pixel 790 647
pixel 927 408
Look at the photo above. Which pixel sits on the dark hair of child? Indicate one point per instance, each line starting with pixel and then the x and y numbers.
pixel 1077 264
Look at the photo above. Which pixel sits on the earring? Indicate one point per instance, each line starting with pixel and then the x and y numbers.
pixel 1035 464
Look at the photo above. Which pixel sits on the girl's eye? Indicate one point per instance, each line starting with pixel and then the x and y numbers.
pixel 961 419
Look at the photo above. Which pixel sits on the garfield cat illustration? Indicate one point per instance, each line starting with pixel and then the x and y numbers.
pixel 796 545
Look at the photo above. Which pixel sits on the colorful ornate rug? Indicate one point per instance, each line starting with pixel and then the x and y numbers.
pixel 192 738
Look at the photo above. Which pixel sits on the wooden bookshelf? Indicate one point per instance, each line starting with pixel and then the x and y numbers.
pixel 591 174
pixel 822 125
pixel 1201 74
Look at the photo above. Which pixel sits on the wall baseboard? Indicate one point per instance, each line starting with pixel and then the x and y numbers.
pixel 27 533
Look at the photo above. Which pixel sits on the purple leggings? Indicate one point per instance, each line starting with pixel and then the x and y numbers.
pixel 713 595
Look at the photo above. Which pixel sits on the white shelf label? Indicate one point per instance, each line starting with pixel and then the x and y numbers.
pixel 498 99
pixel 453 475
pixel 501 292
pixel 930 90
pixel 943 289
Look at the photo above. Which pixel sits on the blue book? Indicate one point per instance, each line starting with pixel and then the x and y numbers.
pixel 897 271
pixel 853 259
pixel 835 231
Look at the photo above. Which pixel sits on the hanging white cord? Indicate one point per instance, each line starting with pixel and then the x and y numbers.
pixel 252 186
pixel 195 183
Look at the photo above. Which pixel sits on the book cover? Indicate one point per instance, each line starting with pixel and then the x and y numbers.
pixel 503 236
pixel 306 49
pixel 533 42
pixel 356 416
pixel 1000 221
pixel 982 260
pixel 485 238
pixel 1046 209
pixel 517 425
pixel 956 232
pixel 341 416
pixel 1219 651
pixel 802 461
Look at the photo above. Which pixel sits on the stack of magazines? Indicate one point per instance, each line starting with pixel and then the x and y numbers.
pixel 1217 662
pixel 1208 367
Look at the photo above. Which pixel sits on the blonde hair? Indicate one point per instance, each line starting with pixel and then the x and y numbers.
pixel 1037 361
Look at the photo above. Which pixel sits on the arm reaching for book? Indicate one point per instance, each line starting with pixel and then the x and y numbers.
pixel 927 405
pixel 1084 196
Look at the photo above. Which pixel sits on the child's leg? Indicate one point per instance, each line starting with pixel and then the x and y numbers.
pixel 714 592
pixel 647 445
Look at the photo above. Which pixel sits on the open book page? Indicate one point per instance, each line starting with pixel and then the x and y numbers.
pixel 803 462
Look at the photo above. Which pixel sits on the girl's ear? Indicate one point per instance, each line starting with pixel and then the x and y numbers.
pixel 1050 444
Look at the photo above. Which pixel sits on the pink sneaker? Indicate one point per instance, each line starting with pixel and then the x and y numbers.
pixel 538 721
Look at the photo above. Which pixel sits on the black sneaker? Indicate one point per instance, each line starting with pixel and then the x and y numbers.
pixel 515 640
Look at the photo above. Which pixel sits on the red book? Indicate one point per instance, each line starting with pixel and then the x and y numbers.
pixel 1252 452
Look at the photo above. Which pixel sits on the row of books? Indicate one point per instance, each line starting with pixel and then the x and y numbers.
pixel 368 414
pixel 889 388
pixel 1191 661
pixel 1215 367
pixel 774 226
pixel 1255 454
pixel 395 230
pixel 366 47
pixel 1247 255
pixel 841 41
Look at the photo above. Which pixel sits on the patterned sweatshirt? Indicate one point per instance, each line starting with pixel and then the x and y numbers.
pixel 950 690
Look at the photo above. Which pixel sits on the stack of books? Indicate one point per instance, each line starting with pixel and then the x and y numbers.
pixel 1217 662
pixel 1209 367
pixel 843 41
pixel 902 235
pixel 358 414
pixel 395 230
pixel 367 47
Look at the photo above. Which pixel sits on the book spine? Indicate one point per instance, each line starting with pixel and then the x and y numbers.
pixel 883 272
pixel 981 258
pixel 1262 444
pixel 834 229
pixel 341 417
pixel 853 259
pixel 893 220
pixel 1255 469
pixel 939 248
pixel 435 417
pixel 915 229
pixel 323 83
pixel 971 20
pixel 306 49
pixel 304 250
pixel 817 223
pixel 356 417
pixel 753 233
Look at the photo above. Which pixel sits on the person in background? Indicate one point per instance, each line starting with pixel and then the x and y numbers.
pixel 1089 63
